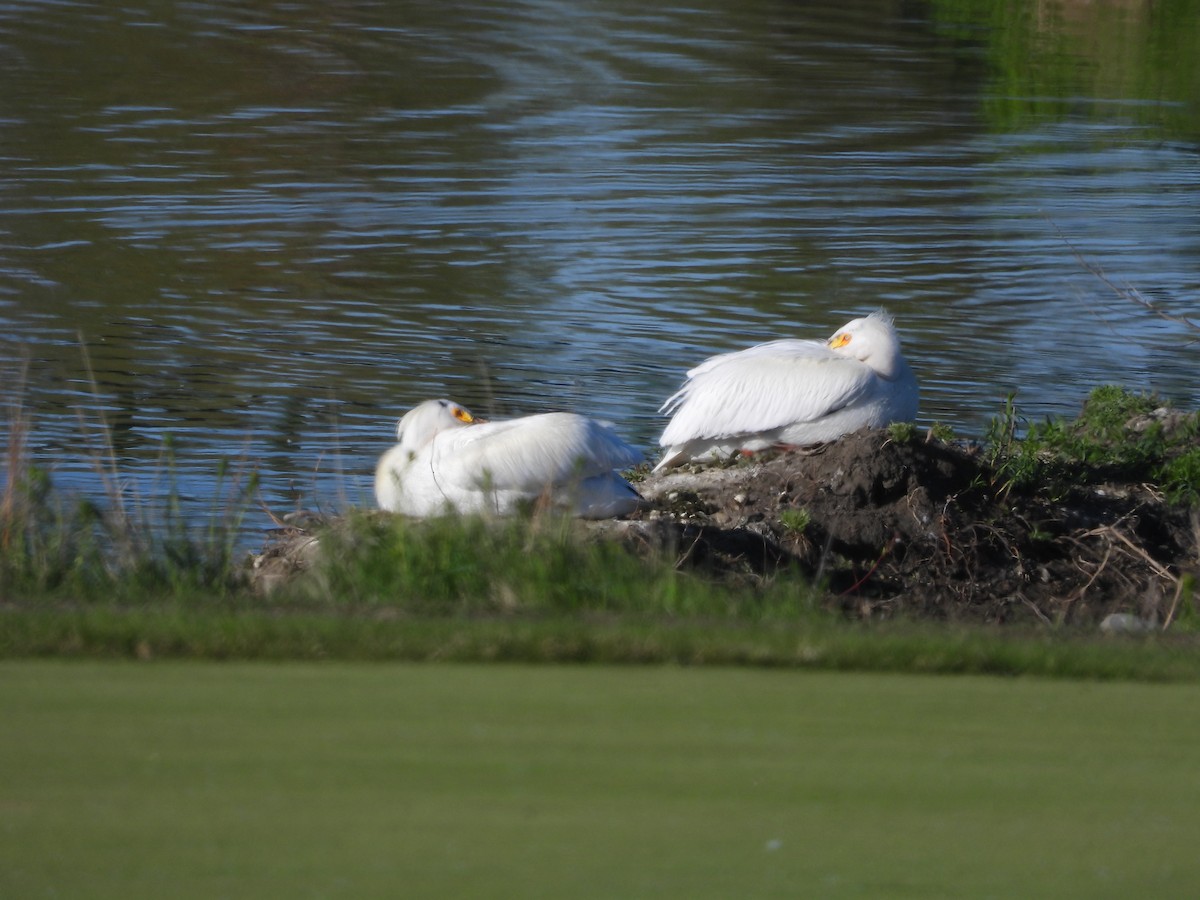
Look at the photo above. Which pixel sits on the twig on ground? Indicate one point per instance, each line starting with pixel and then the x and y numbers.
pixel 887 549
pixel 824 558
pixel 687 554
pixel 1110 532
pixel 1037 612
pixel 1174 605
pixel 1079 594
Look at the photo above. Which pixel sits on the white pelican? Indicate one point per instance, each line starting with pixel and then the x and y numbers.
pixel 791 393
pixel 447 460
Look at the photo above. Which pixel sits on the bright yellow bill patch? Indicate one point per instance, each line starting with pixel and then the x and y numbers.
pixel 462 415
pixel 841 339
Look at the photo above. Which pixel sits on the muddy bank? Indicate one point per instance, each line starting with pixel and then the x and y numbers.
pixel 919 528
pixel 924 528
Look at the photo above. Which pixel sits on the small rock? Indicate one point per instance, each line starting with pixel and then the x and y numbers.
pixel 1127 623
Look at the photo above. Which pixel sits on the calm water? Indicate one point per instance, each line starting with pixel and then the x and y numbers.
pixel 268 232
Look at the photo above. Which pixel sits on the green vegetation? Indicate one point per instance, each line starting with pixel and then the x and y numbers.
pixel 51 546
pixel 78 578
pixel 542 565
pixel 1118 436
pixel 795 521
pixel 902 432
pixel 58 547
pixel 1043 57
pixel 812 643
pixel 940 431
pixel 906 432
pixel 332 780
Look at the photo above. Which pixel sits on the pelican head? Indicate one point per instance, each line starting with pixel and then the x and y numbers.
pixel 871 340
pixel 423 422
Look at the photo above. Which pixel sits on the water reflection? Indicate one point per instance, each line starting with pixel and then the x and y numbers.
pixel 275 229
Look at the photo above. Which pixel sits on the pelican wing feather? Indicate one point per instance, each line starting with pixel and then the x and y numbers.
pixel 531 453
pixel 763 388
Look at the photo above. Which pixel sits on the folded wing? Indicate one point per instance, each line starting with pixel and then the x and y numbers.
pixel 530 454
pixel 762 388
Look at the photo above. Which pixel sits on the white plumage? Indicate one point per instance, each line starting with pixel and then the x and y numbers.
pixel 791 393
pixel 447 460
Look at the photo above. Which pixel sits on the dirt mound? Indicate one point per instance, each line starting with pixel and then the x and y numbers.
pixel 917 528
pixel 922 528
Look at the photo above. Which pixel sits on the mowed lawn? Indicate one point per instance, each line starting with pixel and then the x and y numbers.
pixel 387 780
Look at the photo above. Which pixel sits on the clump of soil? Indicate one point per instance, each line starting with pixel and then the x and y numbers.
pixel 923 528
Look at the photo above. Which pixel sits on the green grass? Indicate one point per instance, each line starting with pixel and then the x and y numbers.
pixel 814 643
pixel 331 780
pixel 532 590
pixel 113 580
pixel 539 564
pixel 1052 456
pixel 55 545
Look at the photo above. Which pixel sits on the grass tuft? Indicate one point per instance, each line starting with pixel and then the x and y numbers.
pixel 539 564
pixel 55 546
pixel 1118 435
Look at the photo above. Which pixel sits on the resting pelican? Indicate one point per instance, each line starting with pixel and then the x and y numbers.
pixel 448 460
pixel 791 393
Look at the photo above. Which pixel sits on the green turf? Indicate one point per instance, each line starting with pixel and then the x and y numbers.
pixel 394 780
pixel 807 642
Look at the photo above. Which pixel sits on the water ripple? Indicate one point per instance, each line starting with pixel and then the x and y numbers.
pixel 274 229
